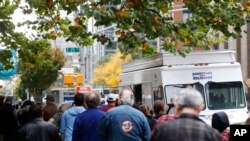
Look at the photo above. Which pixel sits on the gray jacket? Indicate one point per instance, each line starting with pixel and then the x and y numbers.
pixel 38 130
pixel 186 127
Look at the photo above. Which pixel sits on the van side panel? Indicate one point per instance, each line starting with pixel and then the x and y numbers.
pixel 212 72
pixel 150 81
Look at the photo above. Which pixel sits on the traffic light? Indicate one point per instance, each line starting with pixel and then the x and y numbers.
pixel 79 79
pixel 68 79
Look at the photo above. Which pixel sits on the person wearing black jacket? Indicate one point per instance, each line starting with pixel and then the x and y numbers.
pixel 8 120
pixel 37 129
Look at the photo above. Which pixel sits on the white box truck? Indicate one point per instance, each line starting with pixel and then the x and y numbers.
pixel 216 74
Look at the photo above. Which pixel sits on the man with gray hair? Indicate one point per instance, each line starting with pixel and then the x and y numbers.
pixel 124 123
pixel 188 126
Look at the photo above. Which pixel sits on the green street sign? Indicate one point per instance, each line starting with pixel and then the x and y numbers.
pixel 72 49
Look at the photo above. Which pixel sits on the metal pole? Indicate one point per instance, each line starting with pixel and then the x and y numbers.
pixel 27 94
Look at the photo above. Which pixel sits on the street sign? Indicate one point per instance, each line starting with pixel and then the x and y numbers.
pixel 72 49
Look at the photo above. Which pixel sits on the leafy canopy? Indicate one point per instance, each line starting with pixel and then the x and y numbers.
pixel 9 39
pixel 39 65
pixel 138 21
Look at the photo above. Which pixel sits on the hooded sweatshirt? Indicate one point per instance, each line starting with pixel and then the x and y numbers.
pixel 220 121
pixel 67 121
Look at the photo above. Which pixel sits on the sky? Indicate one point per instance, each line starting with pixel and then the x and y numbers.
pixel 19 17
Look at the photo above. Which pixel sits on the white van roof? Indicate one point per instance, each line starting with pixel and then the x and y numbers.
pixel 168 59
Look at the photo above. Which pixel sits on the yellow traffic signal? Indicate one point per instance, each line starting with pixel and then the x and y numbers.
pixel 68 79
pixel 79 79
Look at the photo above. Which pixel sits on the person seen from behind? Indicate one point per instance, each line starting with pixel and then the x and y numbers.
pixel 111 98
pixel 220 122
pixel 69 116
pixel 188 126
pixel 56 119
pixel 124 123
pixel 145 110
pixel 171 109
pixel 171 114
pixel 50 108
pixel 103 103
pixel 8 120
pixel 86 123
pixel 23 115
pixel 1 104
pixel 37 129
pixel 159 108
pixel 1 100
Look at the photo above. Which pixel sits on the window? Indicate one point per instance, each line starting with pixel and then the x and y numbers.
pixel 172 90
pixel 186 15
pixel 158 94
pixel 225 95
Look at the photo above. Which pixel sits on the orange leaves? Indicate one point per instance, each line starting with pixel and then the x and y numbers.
pixel 144 46
pixel 123 35
pixel 130 4
pixel 156 19
pixel 102 39
pixel 77 20
pixel 57 18
pixel 122 13
pixel 117 32
pixel 52 34
pixel 102 8
pixel 246 5
pixel 120 33
pixel 49 4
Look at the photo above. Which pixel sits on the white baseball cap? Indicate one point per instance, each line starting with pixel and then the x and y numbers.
pixel 111 97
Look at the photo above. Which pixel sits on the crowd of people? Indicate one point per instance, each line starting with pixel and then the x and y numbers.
pixel 90 119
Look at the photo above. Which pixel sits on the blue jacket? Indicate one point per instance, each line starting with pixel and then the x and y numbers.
pixel 124 123
pixel 67 121
pixel 86 124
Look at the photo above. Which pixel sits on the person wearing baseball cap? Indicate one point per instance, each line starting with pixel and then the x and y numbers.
pixel 111 99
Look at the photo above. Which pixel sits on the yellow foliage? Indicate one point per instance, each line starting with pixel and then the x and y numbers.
pixel 108 74
pixel 102 8
pixel 153 28
pixel 145 46
pixel 122 14
pixel 130 5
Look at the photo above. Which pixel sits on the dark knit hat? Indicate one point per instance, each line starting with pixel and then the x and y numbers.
pixel 220 121
pixel 50 98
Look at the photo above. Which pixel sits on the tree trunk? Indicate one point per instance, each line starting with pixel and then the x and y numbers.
pixel 38 96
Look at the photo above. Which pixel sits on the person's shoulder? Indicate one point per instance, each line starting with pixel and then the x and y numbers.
pixel 65 112
pixel 119 109
pixel 211 129
pixel 165 118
